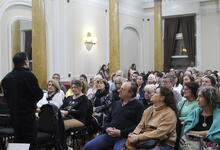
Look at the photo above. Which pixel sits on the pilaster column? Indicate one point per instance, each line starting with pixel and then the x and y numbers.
pixel 16 37
pixel 39 48
pixel 158 51
pixel 114 35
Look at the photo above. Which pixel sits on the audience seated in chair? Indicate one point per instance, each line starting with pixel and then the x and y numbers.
pixel 158 122
pixel 149 91
pixel 75 109
pixel 56 77
pixel 115 93
pixel 53 95
pixel 204 121
pixel 101 101
pixel 124 117
pixel 189 103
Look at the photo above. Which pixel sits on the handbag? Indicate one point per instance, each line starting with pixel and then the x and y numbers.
pixel 195 142
pixel 147 143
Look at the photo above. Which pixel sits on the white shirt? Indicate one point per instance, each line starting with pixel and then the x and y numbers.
pixel 56 100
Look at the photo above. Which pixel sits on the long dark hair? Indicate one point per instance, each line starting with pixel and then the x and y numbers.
pixel 170 100
pixel 193 86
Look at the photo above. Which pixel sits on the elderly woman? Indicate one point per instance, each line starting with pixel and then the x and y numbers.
pixel 118 83
pixel 188 104
pixel 149 91
pixel 158 122
pixel 204 121
pixel 93 86
pixel 75 109
pixel 53 95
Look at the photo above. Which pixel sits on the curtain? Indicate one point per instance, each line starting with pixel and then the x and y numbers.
pixel 188 30
pixel 170 31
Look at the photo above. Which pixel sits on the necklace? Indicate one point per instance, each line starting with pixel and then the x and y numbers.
pixel 204 124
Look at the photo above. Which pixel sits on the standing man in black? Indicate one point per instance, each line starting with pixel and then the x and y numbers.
pixel 22 92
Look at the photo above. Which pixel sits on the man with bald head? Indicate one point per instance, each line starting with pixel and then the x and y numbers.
pixel 123 119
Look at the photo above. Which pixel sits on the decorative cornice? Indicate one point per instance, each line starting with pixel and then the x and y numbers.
pixel 5 4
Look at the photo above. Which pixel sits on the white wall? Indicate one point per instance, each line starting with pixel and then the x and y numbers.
pixel 68 24
pixel 67 35
pixel 130 51
pixel 210 41
pixel 11 10
pixel 131 38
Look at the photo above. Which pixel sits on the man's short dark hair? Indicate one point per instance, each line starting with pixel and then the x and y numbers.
pixel 19 59
pixel 133 89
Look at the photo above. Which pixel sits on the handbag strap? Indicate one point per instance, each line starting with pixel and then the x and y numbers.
pixel 182 107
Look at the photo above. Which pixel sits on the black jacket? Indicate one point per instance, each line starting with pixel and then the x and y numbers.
pixel 77 108
pixel 21 91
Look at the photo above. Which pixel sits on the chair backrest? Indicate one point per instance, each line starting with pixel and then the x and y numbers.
pixel 48 118
pixel 4 114
pixel 90 112
pixel 178 133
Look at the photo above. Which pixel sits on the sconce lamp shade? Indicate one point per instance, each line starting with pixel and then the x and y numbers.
pixel 90 41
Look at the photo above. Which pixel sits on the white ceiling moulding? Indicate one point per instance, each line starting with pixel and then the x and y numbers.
pixel 180 7
pixel 5 4
pixel 131 8
pixel 97 3
pixel 209 6
pixel 148 5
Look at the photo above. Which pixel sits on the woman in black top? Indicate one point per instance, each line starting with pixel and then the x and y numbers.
pixel 76 108
pixel 101 101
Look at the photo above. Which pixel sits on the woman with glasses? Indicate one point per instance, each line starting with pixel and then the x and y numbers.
pixel 75 109
pixel 189 103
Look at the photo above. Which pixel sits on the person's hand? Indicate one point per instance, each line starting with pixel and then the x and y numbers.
pixel 63 112
pixel 109 130
pixel 132 138
pixel 116 133
pixel 37 110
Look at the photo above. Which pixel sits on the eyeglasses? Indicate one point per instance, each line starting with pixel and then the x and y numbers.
pixel 99 82
pixel 50 84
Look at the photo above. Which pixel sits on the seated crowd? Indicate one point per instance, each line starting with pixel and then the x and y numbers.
pixel 154 110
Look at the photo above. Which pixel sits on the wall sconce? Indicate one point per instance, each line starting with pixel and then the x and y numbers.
pixel 90 41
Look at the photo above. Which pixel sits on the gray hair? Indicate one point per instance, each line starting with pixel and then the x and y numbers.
pixel 150 87
pixel 211 95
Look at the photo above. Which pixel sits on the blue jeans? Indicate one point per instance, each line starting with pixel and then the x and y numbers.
pixel 104 141
pixel 163 147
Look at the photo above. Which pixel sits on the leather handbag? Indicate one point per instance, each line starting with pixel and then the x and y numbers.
pixel 147 143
